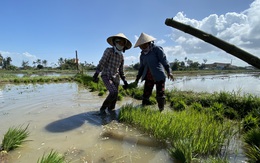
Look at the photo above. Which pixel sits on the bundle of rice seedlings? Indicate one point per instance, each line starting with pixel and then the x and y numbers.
pixel 53 157
pixel 14 137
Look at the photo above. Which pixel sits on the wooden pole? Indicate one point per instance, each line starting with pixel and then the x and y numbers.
pixel 229 48
pixel 77 60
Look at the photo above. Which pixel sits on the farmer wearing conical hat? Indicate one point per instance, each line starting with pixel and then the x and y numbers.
pixel 111 68
pixel 153 65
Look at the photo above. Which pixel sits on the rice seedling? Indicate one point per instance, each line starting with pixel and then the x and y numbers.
pixel 101 93
pixel 178 104
pixel 190 133
pixel 196 106
pixel 120 97
pixel 250 122
pixel 252 147
pixel 52 157
pixel 182 152
pixel 14 137
pixel 231 113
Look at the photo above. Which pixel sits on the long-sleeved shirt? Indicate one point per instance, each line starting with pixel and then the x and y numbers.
pixel 155 60
pixel 112 65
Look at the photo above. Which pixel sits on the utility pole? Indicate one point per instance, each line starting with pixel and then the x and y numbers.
pixel 77 61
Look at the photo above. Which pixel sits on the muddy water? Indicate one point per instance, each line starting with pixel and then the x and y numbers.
pixel 61 117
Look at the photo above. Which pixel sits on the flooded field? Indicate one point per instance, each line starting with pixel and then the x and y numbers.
pixel 236 83
pixel 61 117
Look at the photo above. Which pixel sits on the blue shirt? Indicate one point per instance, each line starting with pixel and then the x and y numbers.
pixel 155 60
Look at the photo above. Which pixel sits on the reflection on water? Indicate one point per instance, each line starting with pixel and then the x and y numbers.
pixel 43 74
pixel 237 83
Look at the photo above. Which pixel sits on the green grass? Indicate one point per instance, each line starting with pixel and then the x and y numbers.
pixel 14 137
pixel 52 157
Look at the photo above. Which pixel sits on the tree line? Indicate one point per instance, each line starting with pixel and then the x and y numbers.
pixel 72 64
pixel 62 64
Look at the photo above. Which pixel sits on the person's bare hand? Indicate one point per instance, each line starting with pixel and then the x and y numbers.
pixel 170 76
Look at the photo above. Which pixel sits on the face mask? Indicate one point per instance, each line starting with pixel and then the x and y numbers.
pixel 146 50
pixel 119 47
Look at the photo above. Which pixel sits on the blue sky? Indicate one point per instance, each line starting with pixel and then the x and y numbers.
pixel 51 29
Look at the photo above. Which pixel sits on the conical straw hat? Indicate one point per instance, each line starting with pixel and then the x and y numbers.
pixel 119 35
pixel 144 38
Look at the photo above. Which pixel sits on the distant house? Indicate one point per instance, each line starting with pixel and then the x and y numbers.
pixel 220 66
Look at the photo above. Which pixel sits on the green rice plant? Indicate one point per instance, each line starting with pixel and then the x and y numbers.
pixel 136 93
pixel 16 80
pixel 52 157
pixel 122 91
pixel 34 80
pixel 54 80
pixel 217 110
pixel 153 100
pixel 224 97
pixel 197 106
pixel 218 107
pixel 178 104
pixel 250 102
pixel 120 97
pixel 182 151
pixel 14 137
pixel 252 145
pixel 250 122
pixel 41 80
pixel 206 101
pixel 101 93
pixel 253 154
pixel 47 80
pixel 231 113
pixel 93 86
pixel 242 104
pixel 252 137
pixel 203 134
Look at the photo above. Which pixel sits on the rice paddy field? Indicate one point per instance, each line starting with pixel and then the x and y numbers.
pixel 212 118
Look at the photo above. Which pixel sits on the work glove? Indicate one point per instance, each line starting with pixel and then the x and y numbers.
pixel 95 78
pixel 125 86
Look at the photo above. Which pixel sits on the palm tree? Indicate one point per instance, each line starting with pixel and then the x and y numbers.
pixel 44 62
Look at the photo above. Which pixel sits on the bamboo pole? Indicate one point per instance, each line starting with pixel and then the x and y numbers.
pixel 229 48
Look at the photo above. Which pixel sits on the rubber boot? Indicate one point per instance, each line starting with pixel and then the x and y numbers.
pixel 161 103
pixel 111 108
pixel 102 110
pixel 146 102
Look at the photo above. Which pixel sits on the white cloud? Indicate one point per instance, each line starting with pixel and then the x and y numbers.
pixel 131 58
pixel 160 42
pixel 239 29
pixel 18 58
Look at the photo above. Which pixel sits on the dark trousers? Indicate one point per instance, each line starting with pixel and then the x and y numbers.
pixel 160 92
